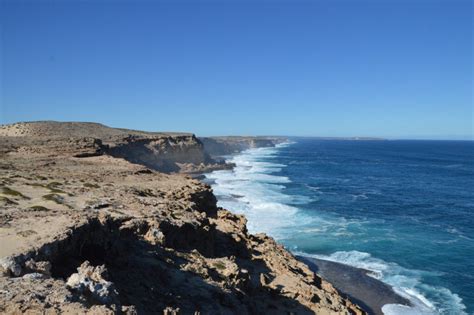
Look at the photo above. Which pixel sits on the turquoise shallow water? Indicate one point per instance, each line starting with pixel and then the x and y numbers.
pixel 403 209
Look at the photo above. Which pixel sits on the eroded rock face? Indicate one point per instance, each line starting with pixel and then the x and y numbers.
pixel 219 146
pixel 136 269
pixel 124 238
pixel 165 152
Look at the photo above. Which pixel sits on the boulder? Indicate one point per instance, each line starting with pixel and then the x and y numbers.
pixel 9 267
pixel 91 281
pixel 34 276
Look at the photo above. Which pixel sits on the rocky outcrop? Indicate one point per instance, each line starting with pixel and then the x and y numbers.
pixel 148 265
pixel 90 282
pixel 119 237
pixel 164 153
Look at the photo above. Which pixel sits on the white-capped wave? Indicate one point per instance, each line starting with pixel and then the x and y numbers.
pixel 260 192
pixel 254 189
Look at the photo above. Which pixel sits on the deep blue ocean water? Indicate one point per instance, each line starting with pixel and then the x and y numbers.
pixel 402 209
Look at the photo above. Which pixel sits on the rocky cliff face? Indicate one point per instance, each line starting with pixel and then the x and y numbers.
pixel 165 152
pixel 219 146
pixel 97 234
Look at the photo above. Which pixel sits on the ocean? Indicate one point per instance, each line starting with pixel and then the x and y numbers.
pixel 401 209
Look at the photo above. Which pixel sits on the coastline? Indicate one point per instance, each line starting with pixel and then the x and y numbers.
pixel 176 212
pixel 354 283
pixel 104 224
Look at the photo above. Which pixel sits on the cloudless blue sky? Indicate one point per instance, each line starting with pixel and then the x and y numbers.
pixel 390 68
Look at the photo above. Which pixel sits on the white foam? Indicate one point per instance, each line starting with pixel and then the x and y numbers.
pixel 405 282
pixel 260 192
pixel 252 188
pixel 398 309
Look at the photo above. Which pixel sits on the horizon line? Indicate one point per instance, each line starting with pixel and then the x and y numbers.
pixel 371 138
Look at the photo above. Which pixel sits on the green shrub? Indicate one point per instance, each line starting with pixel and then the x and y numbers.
pixel 8 191
pixel 219 265
pixel 57 191
pixel 7 201
pixel 54 198
pixel 38 208
pixel 54 185
pixel 36 185
pixel 89 185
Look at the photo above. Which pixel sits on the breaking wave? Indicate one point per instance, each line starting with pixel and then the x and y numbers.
pixel 255 189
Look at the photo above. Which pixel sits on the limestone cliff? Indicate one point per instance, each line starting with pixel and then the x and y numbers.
pixel 165 152
pixel 97 234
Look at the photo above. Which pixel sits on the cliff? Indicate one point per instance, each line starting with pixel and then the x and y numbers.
pixel 87 227
pixel 219 146
pixel 165 152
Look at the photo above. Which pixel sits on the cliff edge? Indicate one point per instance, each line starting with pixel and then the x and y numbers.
pixel 87 227
pixel 164 152
pixel 220 146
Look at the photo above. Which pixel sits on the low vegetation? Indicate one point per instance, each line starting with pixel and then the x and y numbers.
pixel 11 192
pixel 89 185
pixel 7 201
pixel 38 208
pixel 143 192
pixel 54 198
pixel 219 265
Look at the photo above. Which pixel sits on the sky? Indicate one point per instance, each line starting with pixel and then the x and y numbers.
pixel 385 68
